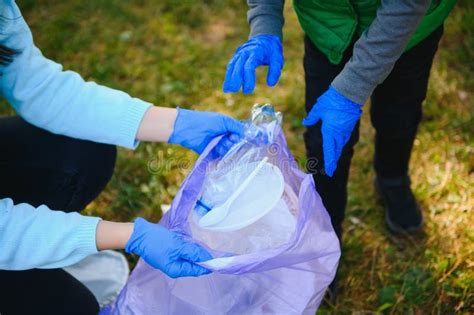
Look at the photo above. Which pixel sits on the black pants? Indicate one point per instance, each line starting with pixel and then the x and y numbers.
pixel 65 174
pixel 395 114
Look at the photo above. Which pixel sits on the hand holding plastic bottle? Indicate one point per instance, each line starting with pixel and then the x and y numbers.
pixel 339 115
pixel 261 50
pixel 166 250
pixel 194 130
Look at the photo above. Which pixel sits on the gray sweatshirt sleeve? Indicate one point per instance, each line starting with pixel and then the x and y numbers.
pixel 379 47
pixel 265 17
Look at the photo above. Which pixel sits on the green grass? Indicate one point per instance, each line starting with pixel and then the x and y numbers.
pixel 174 53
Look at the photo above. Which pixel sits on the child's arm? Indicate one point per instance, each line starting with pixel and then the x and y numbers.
pixel 379 47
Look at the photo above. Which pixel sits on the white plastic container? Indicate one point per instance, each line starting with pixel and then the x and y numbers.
pixel 257 195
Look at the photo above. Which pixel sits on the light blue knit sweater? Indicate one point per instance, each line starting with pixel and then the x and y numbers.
pixel 62 103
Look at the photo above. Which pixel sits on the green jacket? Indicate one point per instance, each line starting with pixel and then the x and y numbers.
pixel 332 24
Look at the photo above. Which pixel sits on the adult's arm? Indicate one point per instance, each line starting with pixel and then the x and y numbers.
pixel 265 17
pixel 41 238
pixel 61 101
pixel 380 46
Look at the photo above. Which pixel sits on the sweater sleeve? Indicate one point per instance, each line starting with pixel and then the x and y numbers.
pixel 61 101
pixel 265 17
pixel 379 47
pixel 41 238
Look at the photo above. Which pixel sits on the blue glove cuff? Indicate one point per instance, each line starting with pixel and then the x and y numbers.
pixel 173 139
pixel 342 101
pixel 133 244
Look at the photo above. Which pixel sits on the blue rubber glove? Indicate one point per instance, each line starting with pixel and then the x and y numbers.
pixel 194 130
pixel 261 50
pixel 339 115
pixel 166 250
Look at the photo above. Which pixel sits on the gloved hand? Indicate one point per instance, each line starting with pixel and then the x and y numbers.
pixel 194 130
pixel 339 115
pixel 166 250
pixel 261 50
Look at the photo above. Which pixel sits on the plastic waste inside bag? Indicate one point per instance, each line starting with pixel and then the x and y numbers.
pixel 273 246
pixel 244 205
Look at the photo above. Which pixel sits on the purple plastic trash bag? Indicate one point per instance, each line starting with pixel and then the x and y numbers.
pixel 280 262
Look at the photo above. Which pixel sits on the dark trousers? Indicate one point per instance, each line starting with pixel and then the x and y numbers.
pixel 38 167
pixel 395 114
